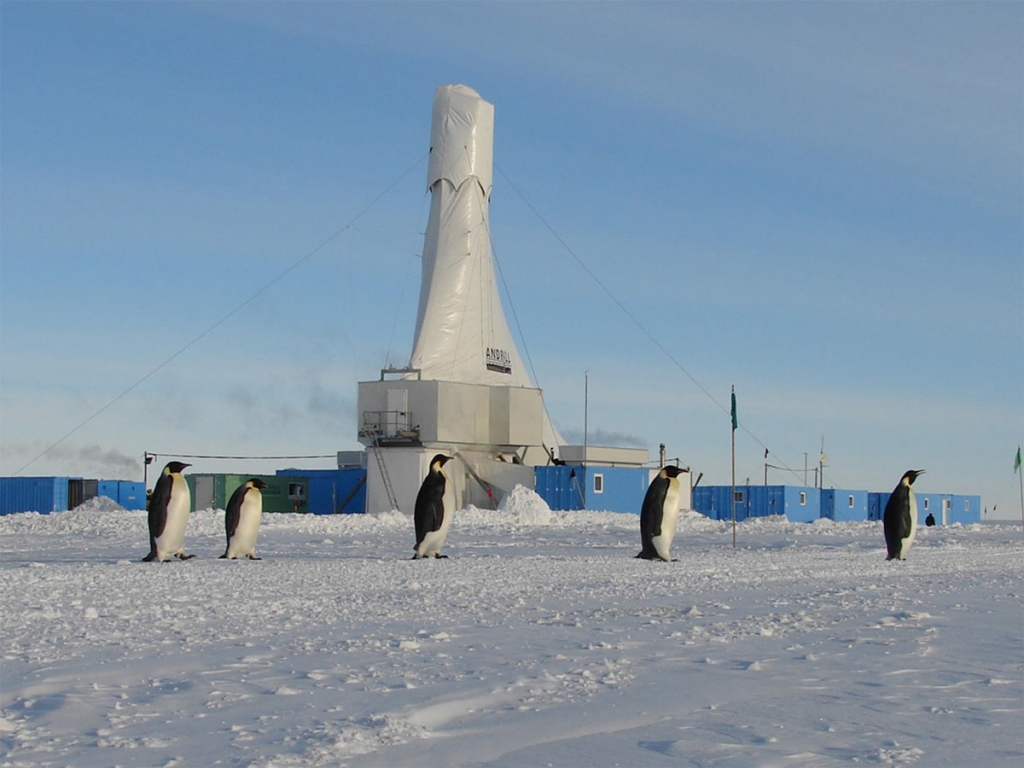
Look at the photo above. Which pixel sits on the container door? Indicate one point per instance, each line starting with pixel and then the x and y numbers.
pixel 75 493
pixel 397 419
pixel 204 493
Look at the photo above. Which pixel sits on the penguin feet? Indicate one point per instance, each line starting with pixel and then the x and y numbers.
pixel 149 558
pixel 439 556
pixel 183 556
pixel 253 557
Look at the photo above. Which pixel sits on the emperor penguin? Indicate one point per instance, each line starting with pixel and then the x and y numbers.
pixel 431 520
pixel 169 508
pixel 900 518
pixel 242 519
pixel 658 515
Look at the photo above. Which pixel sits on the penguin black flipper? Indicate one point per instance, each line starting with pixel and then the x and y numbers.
pixel 157 516
pixel 429 511
pixel 234 511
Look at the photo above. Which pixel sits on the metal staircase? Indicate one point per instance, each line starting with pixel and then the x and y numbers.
pixel 375 434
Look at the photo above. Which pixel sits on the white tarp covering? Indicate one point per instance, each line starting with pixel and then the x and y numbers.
pixel 461 331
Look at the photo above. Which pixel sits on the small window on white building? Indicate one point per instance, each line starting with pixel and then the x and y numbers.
pixel 803 498
pixel 598 483
pixel 850 501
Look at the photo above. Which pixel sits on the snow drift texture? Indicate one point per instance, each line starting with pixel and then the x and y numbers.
pixel 542 641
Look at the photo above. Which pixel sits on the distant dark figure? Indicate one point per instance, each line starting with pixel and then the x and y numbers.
pixel 554 459
pixel 930 520
pixel 899 520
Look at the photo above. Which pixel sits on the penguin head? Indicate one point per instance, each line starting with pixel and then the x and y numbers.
pixel 257 484
pixel 174 467
pixel 911 475
pixel 439 461
pixel 672 471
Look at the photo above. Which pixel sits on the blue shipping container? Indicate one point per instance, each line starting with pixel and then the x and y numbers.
pixel 561 486
pixel 965 509
pixel 131 495
pixel 844 505
pixel 797 503
pixel 33 494
pixel 332 491
pixel 609 489
pixel 128 494
pixel 931 503
pixel 107 488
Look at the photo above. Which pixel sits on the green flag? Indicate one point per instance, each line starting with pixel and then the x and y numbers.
pixel 734 413
pixel 1016 461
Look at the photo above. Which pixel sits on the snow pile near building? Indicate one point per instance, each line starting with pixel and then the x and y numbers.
pixel 525 506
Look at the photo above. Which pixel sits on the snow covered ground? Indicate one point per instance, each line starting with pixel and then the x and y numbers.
pixel 541 641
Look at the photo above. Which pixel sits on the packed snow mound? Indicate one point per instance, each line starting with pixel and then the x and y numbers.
pixel 526 506
pixel 99 516
pixel 99 504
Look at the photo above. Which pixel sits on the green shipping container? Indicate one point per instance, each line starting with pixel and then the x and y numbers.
pixel 283 494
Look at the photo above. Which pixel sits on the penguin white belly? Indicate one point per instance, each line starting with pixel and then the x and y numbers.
pixel 243 543
pixel 905 544
pixel 171 541
pixel 434 540
pixel 669 516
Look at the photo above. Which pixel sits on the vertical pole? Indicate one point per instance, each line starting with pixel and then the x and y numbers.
pixel 1020 479
pixel 734 466
pixel 586 411
pixel 821 464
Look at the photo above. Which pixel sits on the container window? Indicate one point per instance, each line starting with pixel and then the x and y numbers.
pixel 296 491
pixel 738 497
pixel 850 501
pixel 926 503
pixel 598 483
pixel 967 505
pixel 803 498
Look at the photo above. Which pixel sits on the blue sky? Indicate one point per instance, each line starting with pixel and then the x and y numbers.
pixel 821 204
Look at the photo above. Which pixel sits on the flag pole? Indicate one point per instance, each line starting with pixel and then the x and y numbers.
pixel 1020 479
pixel 734 466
